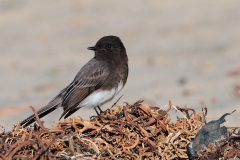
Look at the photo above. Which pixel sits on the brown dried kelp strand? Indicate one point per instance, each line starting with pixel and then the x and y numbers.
pixel 132 131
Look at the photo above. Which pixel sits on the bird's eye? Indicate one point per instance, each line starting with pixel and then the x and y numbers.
pixel 109 46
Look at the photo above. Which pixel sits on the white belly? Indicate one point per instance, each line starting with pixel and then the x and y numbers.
pixel 98 98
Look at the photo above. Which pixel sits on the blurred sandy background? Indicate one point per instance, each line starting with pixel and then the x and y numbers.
pixel 183 51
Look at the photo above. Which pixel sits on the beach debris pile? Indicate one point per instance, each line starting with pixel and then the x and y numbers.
pixel 131 131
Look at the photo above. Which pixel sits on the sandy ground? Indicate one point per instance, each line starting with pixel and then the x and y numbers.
pixel 183 51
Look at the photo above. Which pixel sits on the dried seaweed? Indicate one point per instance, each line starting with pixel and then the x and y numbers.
pixel 132 131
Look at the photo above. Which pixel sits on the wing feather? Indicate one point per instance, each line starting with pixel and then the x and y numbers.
pixel 92 76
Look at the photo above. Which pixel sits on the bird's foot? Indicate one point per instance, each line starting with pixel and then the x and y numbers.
pixel 101 111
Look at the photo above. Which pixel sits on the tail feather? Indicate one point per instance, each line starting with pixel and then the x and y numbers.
pixel 51 106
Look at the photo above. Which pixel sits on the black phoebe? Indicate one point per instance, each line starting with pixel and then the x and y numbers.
pixel 96 83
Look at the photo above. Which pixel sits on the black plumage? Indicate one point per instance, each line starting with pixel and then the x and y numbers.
pixel 97 82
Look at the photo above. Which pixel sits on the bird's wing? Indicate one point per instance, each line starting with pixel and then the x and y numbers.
pixel 89 78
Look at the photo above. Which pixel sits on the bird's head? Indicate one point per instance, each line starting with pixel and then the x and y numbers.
pixel 108 46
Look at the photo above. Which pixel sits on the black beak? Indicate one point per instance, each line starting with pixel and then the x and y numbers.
pixel 92 48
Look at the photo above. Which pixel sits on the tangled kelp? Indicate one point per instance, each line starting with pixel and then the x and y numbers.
pixel 134 131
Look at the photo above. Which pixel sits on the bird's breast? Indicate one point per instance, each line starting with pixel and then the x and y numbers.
pixel 100 97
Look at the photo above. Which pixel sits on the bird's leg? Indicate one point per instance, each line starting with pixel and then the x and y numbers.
pixel 101 111
pixel 98 114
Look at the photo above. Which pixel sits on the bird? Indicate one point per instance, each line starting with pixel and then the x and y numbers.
pixel 96 83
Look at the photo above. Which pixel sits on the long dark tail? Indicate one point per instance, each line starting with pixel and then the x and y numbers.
pixel 51 106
